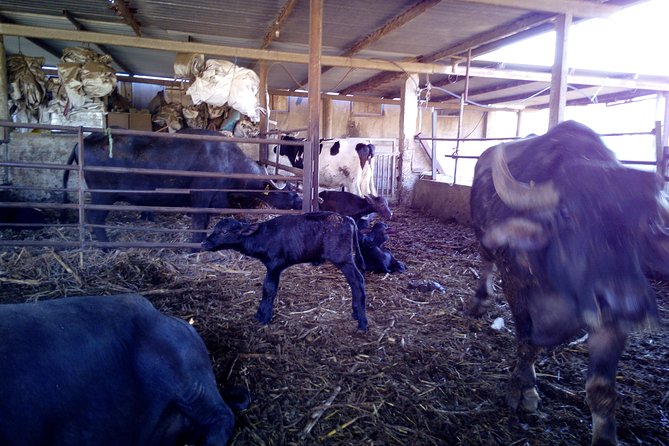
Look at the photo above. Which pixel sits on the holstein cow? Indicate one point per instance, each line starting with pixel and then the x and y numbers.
pixel 147 152
pixel 572 232
pixel 287 240
pixel 106 371
pixel 343 162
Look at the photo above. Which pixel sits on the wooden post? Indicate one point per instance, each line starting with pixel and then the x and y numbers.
pixel 311 156
pixel 558 97
pixel 328 114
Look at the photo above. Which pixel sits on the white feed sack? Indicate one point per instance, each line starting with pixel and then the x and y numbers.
pixel 223 82
pixel 85 75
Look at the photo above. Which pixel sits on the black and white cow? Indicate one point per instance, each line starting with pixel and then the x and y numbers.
pixel 572 232
pixel 105 371
pixel 345 162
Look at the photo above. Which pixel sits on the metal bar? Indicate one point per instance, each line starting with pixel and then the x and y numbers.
pixel 80 190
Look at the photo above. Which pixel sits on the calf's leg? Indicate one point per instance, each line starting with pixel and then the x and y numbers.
pixel 357 283
pixel 604 348
pixel 269 289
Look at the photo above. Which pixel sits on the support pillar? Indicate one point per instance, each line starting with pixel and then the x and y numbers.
pixel 408 129
pixel 558 97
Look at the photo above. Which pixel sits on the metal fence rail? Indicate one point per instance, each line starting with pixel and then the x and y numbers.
pixel 83 240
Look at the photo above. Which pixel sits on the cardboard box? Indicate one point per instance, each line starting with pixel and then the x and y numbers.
pixel 118 120
pixel 140 121
pixel 132 121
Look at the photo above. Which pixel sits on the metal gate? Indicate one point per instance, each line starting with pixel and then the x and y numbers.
pixel 385 166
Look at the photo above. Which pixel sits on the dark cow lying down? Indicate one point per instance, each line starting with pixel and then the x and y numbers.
pixel 378 259
pixel 291 239
pixel 572 232
pixel 105 371
pixel 148 152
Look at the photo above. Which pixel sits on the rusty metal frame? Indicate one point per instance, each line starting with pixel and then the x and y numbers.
pixel 84 240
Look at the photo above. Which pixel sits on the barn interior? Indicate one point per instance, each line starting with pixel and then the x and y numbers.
pixel 411 76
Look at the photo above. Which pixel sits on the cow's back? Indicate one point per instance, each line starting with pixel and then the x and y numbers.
pixel 99 370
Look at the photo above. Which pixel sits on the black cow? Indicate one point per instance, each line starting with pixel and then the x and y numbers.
pixel 291 239
pixel 105 371
pixel 377 258
pixel 171 154
pixel 572 232
pixel 353 205
pixel 19 218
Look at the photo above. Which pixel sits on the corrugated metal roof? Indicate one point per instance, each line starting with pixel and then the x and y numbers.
pixel 444 25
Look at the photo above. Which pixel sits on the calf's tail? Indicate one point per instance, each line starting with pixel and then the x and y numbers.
pixel 359 260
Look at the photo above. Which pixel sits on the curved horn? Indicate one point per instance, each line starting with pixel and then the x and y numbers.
pixel 518 195
pixel 274 184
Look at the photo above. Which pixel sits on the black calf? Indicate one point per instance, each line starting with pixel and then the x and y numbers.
pixel 353 205
pixel 377 258
pixel 291 239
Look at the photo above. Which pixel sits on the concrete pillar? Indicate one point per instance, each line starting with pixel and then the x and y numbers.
pixel 408 129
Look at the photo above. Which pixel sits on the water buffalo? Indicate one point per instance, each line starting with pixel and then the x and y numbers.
pixel 572 232
pixel 170 154
pixel 288 240
pixel 345 162
pixel 106 371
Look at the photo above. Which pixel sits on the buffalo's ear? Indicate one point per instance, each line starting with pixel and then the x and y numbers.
pixel 518 233
pixel 249 229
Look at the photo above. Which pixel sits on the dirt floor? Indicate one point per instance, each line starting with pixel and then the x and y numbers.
pixel 424 373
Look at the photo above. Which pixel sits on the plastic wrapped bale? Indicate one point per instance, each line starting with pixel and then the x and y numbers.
pixel 222 83
pixel 170 116
pixel 188 66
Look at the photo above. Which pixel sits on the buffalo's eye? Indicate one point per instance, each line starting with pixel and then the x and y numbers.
pixel 565 213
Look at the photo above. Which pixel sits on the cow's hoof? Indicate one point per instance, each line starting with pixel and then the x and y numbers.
pixel 362 324
pixel 527 399
pixel 477 307
pixel 263 319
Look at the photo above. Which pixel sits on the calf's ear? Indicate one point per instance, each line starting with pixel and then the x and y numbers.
pixel 249 229
pixel 517 233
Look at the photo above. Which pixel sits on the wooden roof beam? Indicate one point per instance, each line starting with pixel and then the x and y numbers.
pixel 577 8
pixel 38 42
pixel 103 49
pixel 122 9
pixel 523 23
pixel 391 25
pixel 274 30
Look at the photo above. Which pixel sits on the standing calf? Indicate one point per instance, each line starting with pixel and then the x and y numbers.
pixel 105 371
pixel 291 239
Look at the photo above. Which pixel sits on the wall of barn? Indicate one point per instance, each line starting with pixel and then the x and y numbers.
pixel 52 148
pixel 374 120
pixel 447 202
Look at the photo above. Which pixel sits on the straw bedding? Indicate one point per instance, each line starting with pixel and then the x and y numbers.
pixel 424 373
